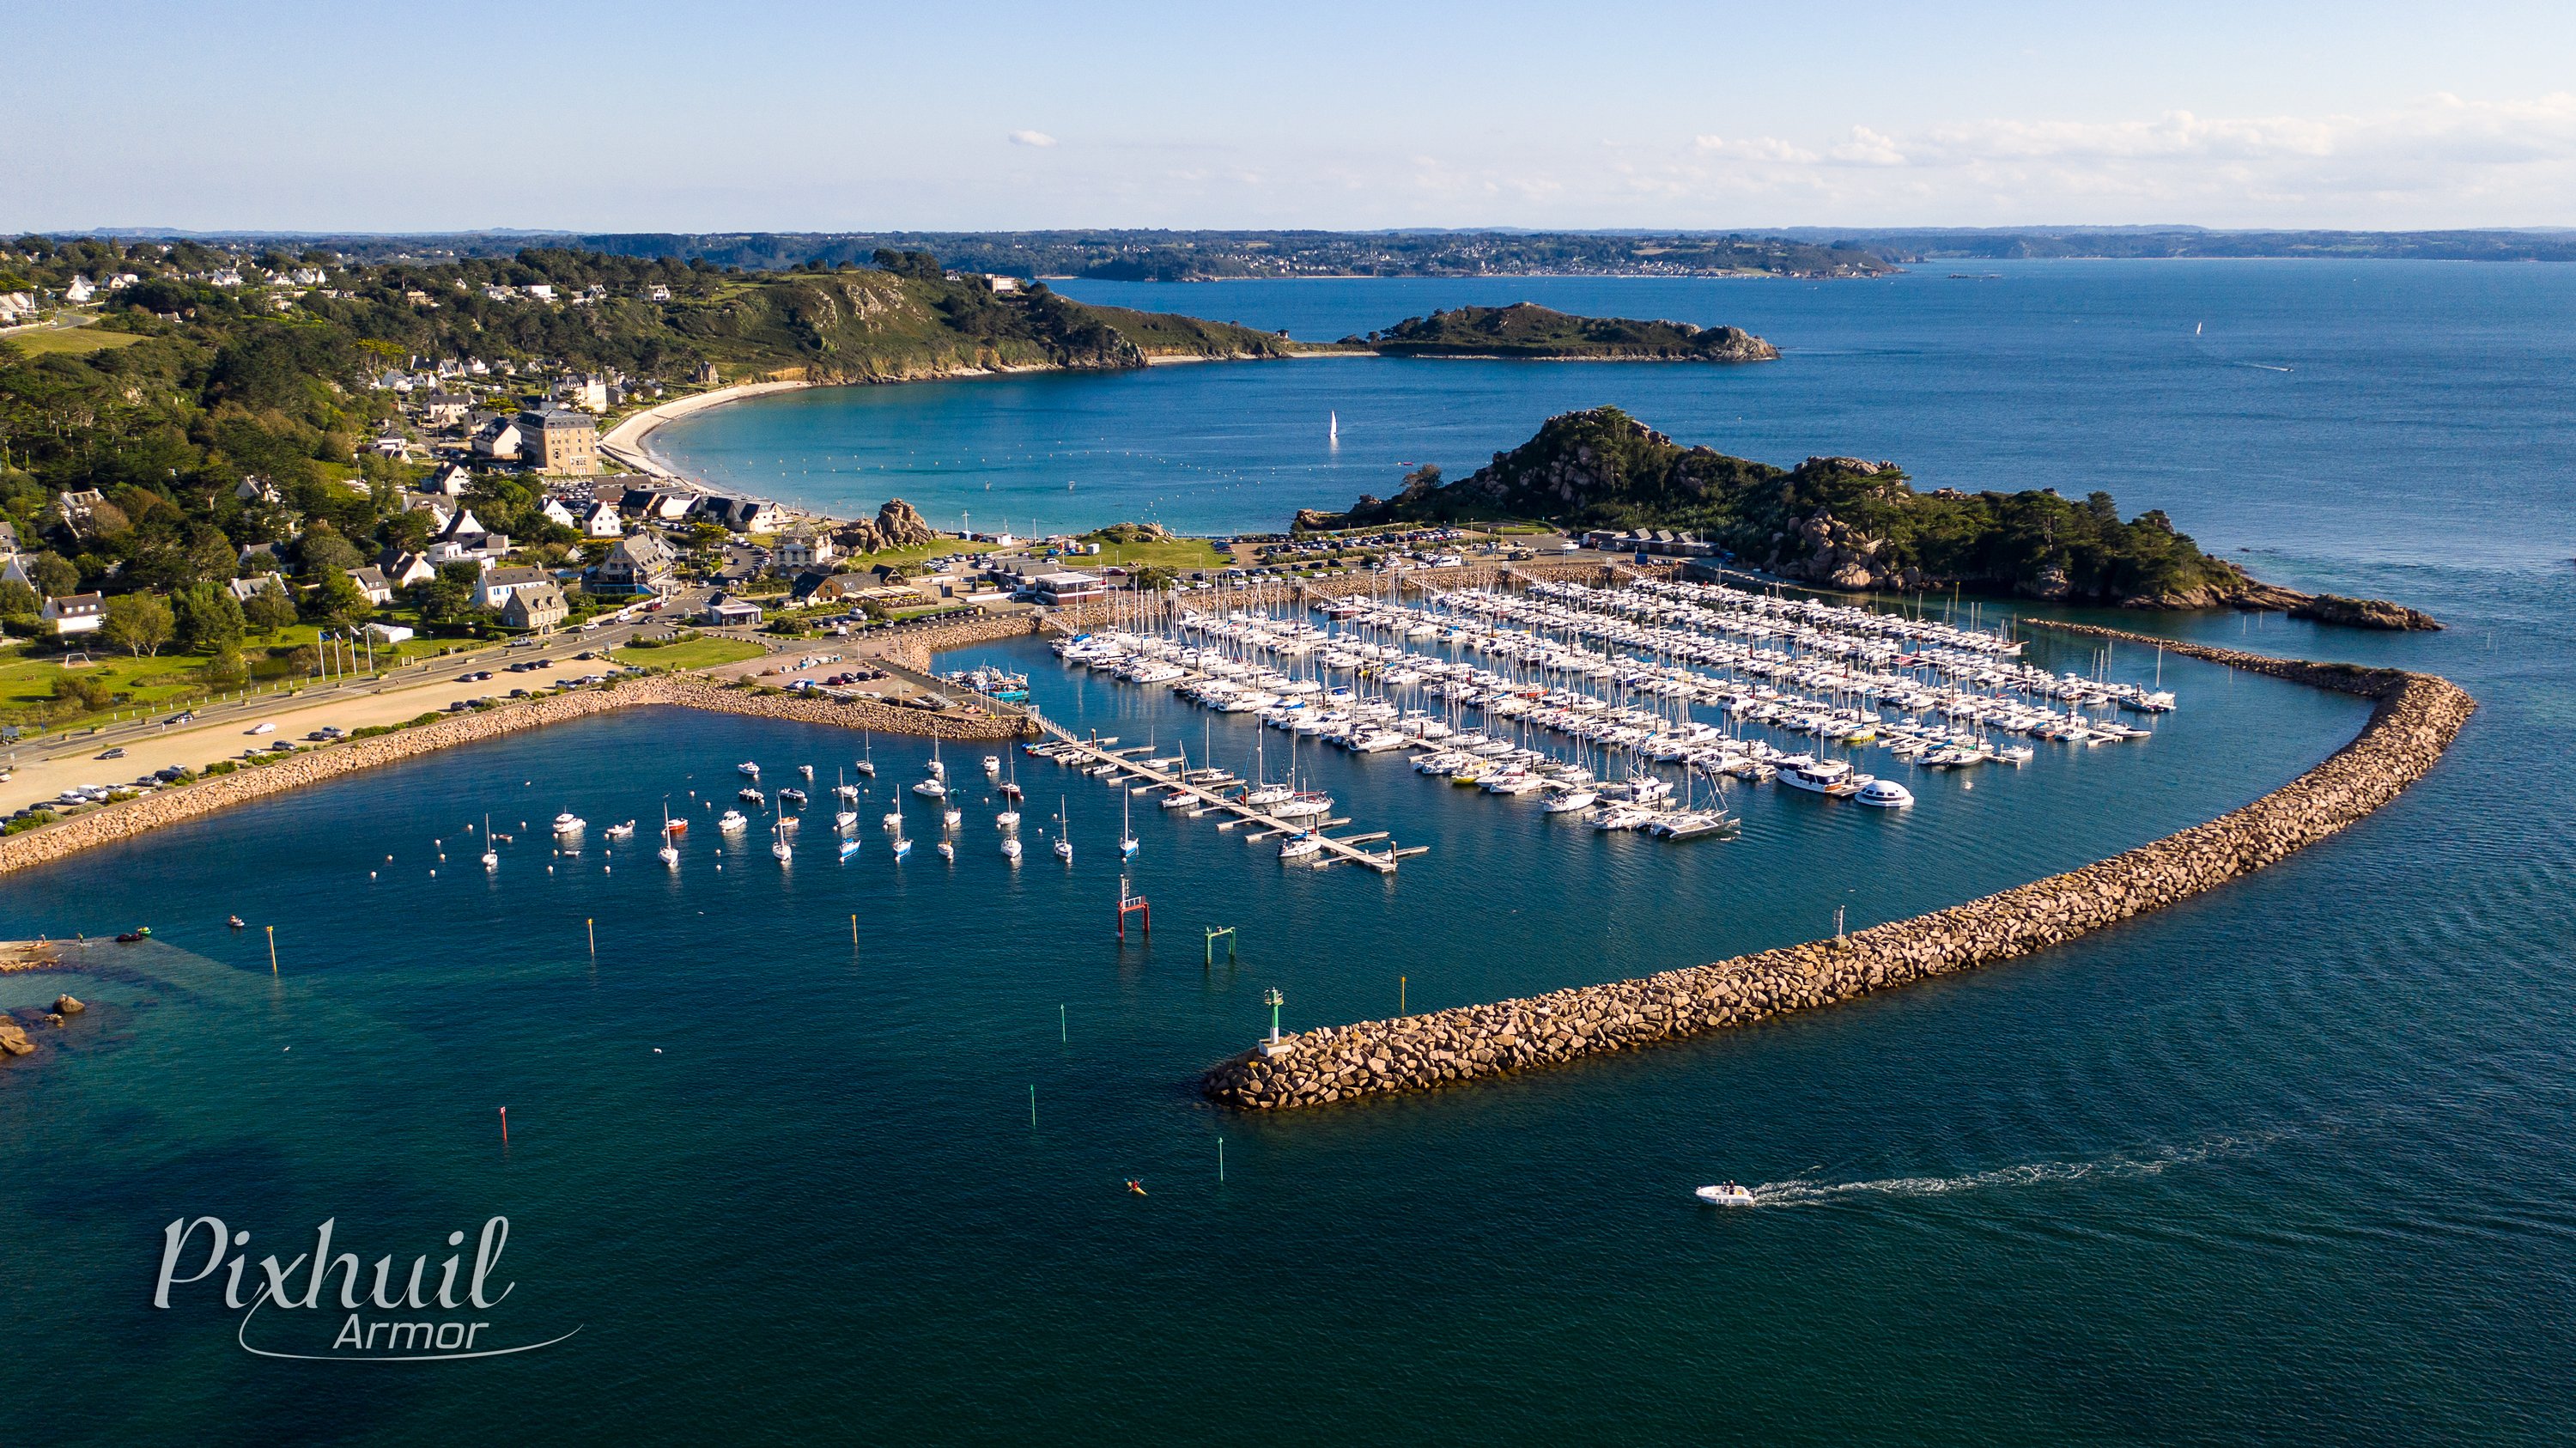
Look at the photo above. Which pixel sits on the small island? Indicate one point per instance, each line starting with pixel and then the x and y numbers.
pixel 1846 523
pixel 1528 331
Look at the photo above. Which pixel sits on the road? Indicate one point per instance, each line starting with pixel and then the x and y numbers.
pixel 45 769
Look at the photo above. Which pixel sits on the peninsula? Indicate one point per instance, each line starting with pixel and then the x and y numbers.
pixel 1846 523
pixel 1526 330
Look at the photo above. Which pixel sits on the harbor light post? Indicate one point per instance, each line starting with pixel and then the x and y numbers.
pixel 1273 999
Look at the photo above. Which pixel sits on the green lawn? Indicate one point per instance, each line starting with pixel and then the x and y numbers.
pixel 700 653
pixel 939 548
pixel 69 341
pixel 27 677
pixel 1185 554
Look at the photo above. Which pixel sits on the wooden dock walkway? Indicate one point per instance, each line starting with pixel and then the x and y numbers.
pixel 1335 852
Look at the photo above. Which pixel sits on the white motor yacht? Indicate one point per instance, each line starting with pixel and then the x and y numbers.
pixel 1824 776
pixel 1301 846
pixel 733 822
pixel 749 768
pixel 1885 794
pixel 569 823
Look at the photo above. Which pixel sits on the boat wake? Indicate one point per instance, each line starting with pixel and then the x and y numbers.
pixel 1800 1192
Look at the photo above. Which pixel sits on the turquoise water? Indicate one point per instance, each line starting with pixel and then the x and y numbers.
pixel 2287 1163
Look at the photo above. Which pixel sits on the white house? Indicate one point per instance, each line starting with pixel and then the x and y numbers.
pixel 499 583
pixel 372 582
pixel 255 489
pixel 451 481
pixel 402 570
pixel 500 440
pixel 244 590
pixel 76 613
pixel 806 550
pixel 602 520
pixel 723 610
pixel 556 512
pixel 542 291
pixel 79 291
pixel 659 294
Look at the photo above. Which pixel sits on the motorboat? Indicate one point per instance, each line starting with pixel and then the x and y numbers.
pixel 1179 799
pixel 674 828
pixel 751 796
pixel 1302 845
pixel 931 788
pixel 734 822
pixel 748 768
pixel 625 831
pixel 792 795
pixel 952 817
pixel 569 823
pixel 1823 776
pixel 1885 794
pixel 992 764
pixel 1725 1194
pixel 806 770
pixel 1569 801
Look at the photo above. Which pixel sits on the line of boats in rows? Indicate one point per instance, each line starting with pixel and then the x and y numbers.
pixel 569 828
pixel 1802 668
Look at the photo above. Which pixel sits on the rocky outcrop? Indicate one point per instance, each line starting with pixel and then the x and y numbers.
pixel 13 1039
pixel 2415 718
pixel 2363 613
pixel 896 525
pixel 68 1004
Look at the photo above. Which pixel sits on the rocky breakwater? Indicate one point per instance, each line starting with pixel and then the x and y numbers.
pixel 2415 718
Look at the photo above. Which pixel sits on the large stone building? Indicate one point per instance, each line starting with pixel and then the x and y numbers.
pixel 559 440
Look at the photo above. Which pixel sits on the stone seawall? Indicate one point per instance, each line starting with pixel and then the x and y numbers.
pixel 2415 718
pixel 170 806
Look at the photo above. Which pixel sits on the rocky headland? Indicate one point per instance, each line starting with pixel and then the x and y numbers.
pixel 1848 524
pixel 1527 331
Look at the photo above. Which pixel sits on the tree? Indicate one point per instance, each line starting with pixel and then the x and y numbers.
pixel 54 575
pixel 18 601
pixel 322 554
pixel 1155 578
pixel 137 622
pixel 210 618
pixel 336 598
pixel 269 609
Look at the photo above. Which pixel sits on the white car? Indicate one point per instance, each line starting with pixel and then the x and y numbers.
pixel 263 728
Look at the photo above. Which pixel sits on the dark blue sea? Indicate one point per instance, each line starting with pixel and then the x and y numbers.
pixel 2289 1163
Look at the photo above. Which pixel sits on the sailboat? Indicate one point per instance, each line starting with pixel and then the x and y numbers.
pixel 1011 848
pixel 902 846
pixel 1333 428
pixel 778 846
pixel 1127 827
pixel 948 852
pixel 867 757
pixel 847 816
pixel 1063 833
pixel 669 852
pixel 1011 786
pixel 491 856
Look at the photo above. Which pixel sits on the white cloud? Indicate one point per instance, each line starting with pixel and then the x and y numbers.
pixel 1868 148
pixel 1039 139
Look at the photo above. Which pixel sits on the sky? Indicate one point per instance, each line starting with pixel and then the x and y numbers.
pixel 770 115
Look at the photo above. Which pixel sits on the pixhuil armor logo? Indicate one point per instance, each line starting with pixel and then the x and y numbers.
pixel 432 1323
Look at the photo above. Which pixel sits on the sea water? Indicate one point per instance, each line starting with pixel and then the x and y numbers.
pixel 2287 1162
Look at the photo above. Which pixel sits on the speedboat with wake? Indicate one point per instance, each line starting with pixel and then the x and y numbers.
pixel 1725 1194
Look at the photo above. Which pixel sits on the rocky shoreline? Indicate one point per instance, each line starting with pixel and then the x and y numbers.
pixel 207 796
pixel 2415 718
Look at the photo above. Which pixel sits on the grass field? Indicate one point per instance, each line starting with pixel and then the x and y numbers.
pixel 27 679
pixel 69 341
pixel 1185 554
pixel 940 548
pixel 702 653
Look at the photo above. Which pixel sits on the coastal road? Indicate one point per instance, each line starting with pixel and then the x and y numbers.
pixel 40 773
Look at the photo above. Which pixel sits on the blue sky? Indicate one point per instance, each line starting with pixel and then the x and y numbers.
pixel 793 116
